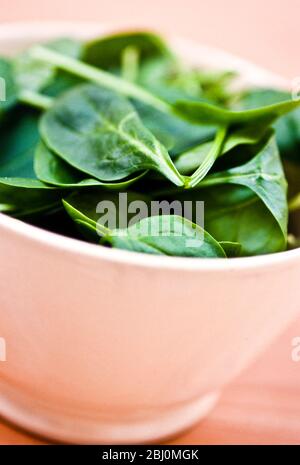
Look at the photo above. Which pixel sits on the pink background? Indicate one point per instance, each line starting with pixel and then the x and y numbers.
pixel 263 406
pixel 266 31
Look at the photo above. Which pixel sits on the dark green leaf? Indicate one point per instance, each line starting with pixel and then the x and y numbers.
pixel 176 134
pixel 106 52
pixel 18 184
pixel 253 210
pixel 98 132
pixel 51 169
pixel 83 205
pixel 287 128
pixel 189 161
pixel 27 196
pixel 234 213
pixel 232 249
pixel 18 138
pixel 263 175
pixel 206 113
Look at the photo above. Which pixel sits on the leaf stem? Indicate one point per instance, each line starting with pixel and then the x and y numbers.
pixel 130 63
pixel 210 158
pixel 99 76
pixel 35 100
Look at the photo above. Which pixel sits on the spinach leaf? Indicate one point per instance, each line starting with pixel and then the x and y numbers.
pixel 84 204
pixel 169 81
pixel 160 235
pixel 99 77
pixel 98 132
pixel 214 86
pixel 263 175
pixel 206 113
pixel 234 213
pixel 156 114
pixel 33 74
pixel 253 211
pixel 287 128
pixel 18 138
pixel 166 235
pixel 106 52
pixel 173 80
pixel 190 160
pixel 51 169
pixel 62 80
pixel 176 134
pixel 232 249
pixel 156 65
pixel 26 196
pixel 18 184
pixel 194 111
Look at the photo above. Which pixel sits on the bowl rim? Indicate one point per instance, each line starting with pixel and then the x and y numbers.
pixel 36 30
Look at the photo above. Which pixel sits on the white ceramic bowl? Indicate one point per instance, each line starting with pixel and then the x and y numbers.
pixel 111 346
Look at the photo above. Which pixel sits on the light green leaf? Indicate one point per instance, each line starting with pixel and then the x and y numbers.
pixel 162 235
pixel 34 75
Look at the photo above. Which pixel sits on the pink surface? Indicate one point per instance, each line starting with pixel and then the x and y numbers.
pixel 264 31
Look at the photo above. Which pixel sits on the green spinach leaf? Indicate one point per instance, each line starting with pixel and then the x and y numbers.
pixel 166 235
pixel 234 213
pixel 26 196
pixel 98 132
pixel 159 235
pixel 176 134
pixel 51 169
pixel 287 128
pixel 18 138
pixel 33 74
pixel 264 175
pixel 247 204
pixel 206 113
pixel 232 249
pixel 19 186
pixel 106 52
pixel 189 161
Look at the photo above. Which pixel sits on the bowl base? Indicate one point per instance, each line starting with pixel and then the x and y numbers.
pixel 64 426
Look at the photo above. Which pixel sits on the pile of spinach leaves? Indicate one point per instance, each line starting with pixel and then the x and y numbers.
pixel 83 122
